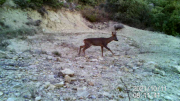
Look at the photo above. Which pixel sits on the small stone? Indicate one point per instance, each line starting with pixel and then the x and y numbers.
pixel 27 96
pixel 3 55
pixel 90 83
pixel 81 66
pixel 106 94
pixel 49 57
pixel 38 98
pixel 169 98
pixel 93 60
pixel 104 67
pixel 67 72
pixel 150 97
pixel 135 68
pixel 82 92
pixel 51 87
pixel 17 94
pixel 51 77
pixel 93 96
pixel 11 99
pixel 47 84
pixel 157 71
pixel 59 85
pixel 176 68
pixel 67 78
pixel 1 93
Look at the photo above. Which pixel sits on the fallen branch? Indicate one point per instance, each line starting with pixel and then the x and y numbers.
pixel 126 89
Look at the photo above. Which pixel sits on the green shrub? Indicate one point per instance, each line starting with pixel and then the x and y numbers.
pixel 2 2
pixel 163 16
pixel 94 15
pixel 132 12
pixel 39 3
pixel 22 3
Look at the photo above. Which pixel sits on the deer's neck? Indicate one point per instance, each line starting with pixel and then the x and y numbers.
pixel 109 39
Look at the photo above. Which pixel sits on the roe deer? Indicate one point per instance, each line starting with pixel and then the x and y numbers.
pixel 98 42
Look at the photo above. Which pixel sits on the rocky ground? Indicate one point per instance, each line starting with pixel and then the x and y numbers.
pixel 46 67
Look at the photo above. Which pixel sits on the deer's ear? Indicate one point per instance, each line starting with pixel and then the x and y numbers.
pixel 113 33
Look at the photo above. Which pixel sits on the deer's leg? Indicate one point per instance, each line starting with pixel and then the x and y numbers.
pixel 102 50
pixel 86 46
pixel 80 49
pixel 108 49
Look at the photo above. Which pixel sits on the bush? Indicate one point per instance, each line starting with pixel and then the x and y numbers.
pixel 162 15
pixel 167 18
pixel 39 3
pixel 132 12
pixel 94 15
pixel 22 3
pixel 2 2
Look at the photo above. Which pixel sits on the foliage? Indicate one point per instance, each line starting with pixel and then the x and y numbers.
pixel 94 15
pixel 132 12
pixel 22 3
pixel 166 17
pixel 39 3
pixel 161 15
pixel 91 2
pixel 2 2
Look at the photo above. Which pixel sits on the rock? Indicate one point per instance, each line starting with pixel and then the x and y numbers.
pixel 51 77
pixel 93 97
pixel 34 23
pixel 169 98
pixel 82 92
pixel 176 68
pixel 157 71
pixel 90 26
pixel 59 85
pixel 42 11
pixel 49 57
pixel 106 94
pixel 38 98
pixel 67 72
pixel 90 83
pixel 149 66
pixel 1 93
pixel 67 78
pixel 150 97
pixel 11 99
pixel 51 87
pixel 17 94
pixel 93 60
pixel 134 68
pixel 118 26
pixel 47 84
pixel 4 55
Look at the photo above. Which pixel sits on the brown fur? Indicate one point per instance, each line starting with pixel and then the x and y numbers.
pixel 98 42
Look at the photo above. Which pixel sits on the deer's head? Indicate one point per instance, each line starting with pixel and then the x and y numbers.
pixel 114 36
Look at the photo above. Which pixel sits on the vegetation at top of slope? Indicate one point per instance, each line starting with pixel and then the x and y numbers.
pixel 158 15
pixel 161 15
pixel 94 14
pixel 2 2
pixel 38 3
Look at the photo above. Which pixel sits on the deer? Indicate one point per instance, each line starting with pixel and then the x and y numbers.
pixel 103 42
